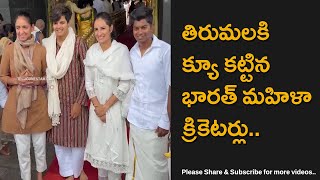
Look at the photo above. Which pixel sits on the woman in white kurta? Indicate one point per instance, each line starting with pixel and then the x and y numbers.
pixel 109 75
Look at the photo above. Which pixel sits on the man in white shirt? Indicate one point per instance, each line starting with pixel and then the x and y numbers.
pixel 148 114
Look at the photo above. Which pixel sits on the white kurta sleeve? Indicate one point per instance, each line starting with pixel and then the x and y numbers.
pixel 164 120
pixel 89 81
pixel 122 89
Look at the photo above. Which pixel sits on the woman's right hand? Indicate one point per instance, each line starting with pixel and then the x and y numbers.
pixel 98 105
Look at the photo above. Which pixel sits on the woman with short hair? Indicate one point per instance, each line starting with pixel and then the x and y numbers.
pixel 67 98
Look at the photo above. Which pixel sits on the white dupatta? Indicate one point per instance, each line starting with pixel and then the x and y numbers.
pixel 57 66
pixel 117 67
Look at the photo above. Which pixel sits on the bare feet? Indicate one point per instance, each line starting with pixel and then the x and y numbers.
pixel 83 176
pixel 39 176
pixel 5 150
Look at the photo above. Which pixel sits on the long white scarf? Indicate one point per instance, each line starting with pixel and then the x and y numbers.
pixel 24 95
pixel 57 66
pixel 115 63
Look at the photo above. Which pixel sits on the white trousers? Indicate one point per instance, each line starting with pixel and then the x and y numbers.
pixel 108 175
pixel 146 155
pixel 23 143
pixel 70 160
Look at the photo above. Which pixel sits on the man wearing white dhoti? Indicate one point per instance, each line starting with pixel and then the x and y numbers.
pixel 148 114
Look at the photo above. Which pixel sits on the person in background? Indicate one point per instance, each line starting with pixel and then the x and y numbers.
pixel 4 42
pixel 9 32
pixel 67 98
pixel 4 143
pixel 99 6
pixel 148 111
pixel 37 32
pixel 139 3
pixel 102 6
pixel 40 24
pixel 116 5
pixel 23 70
pixel 126 6
pixel 107 6
pixel 85 22
pixel 132 6
pixel 2 22
pixel 74 10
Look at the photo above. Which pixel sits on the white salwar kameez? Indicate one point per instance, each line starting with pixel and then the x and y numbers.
pixel 108 73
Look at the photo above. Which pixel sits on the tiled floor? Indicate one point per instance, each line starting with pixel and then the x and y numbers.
pixel 9 165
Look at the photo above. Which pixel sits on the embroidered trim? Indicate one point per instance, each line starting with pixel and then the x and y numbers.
pixel 55 118
pixel 91 93
pixel 116 168
pixel 119 94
